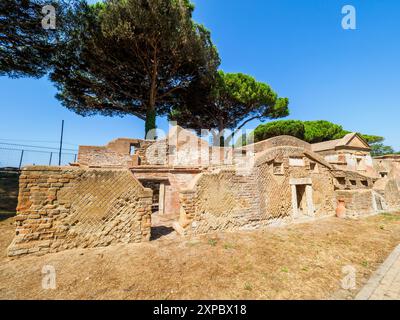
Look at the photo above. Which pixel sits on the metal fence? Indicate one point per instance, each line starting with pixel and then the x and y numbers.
pixel 21 157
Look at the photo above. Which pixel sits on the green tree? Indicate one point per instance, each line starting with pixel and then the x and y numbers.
pixel 321 130
pixel 314 132
pixel 379 149
pixel 26 48
pixel 293 128
pixel 230 101
pixel 133 57
pixel 372 139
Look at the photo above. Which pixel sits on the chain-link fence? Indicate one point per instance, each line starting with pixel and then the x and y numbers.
pixel 18 158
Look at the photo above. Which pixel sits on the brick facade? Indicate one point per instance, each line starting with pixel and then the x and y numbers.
pixel 223 200
pixel 65 207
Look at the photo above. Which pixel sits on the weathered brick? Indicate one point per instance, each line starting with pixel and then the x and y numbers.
pixel 47 213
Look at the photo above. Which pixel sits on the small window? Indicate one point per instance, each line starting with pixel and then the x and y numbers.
pixel 132 150
pixel 278 168
pixel 341 180
pixel 359 166
pixel 172 150
pixel 364 183
pixel 353 182
pixel 314 167
pixel 383 174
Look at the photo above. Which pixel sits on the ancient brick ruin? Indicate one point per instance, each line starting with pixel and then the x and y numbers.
pixel 119 192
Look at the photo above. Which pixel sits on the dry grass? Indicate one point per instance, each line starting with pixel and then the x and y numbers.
pixel 297 262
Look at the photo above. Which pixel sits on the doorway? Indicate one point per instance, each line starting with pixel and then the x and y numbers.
pixel 302 197
pixel 154 185
pixel 161 223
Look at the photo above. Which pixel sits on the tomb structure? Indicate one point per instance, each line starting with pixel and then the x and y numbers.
pixel 134 190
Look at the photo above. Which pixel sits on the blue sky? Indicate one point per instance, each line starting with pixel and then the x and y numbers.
pixel 350 77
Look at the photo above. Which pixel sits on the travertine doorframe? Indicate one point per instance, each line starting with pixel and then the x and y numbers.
pixel 309 196
pixel 161 202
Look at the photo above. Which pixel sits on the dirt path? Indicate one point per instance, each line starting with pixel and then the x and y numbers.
pixel 296 262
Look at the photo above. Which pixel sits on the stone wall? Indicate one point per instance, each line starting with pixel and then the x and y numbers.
pixel 117 153
pixel 220 201
pixel 360 161
pixel 103 157
pixel 65 207
pixel 359 202
pixel 278 141
pixel 276 187
pixel 225 200
pixel 389 189
pixel 350 180
pixel 392 193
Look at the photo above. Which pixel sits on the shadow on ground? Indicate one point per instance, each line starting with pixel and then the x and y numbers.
pixel 160 231
pixel 5 216
pixel 8 193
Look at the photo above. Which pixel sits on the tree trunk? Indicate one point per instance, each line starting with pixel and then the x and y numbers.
pixel 232 136
pixel 221 133
pixel 150 119
pixel 151 110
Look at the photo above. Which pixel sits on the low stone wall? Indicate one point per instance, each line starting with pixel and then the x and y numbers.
pixel 65 207
pixel 359 202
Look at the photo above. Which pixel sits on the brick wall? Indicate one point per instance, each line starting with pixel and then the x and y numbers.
pixel 357 202
pixel 275 189
pixel 225 200
pixel 118 153
pixel 220 201
pixel 65 207
pixel 101 156
pixel 350 180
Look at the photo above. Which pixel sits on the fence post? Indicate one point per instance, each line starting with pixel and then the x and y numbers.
pixel 51 157
pixel 20 160
pixel 61 142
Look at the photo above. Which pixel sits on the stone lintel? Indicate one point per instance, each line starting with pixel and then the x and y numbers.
pixel 298 181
